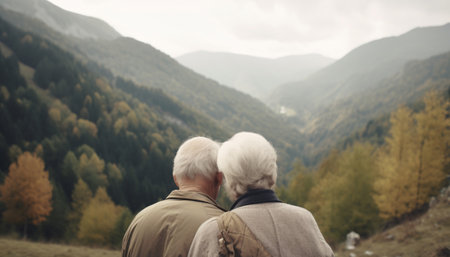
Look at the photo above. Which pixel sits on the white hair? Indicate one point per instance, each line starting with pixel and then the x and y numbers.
pixel 247 161
pixel 196 157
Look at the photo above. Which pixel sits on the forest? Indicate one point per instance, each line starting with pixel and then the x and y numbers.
pixel 101 148
pixel 82 150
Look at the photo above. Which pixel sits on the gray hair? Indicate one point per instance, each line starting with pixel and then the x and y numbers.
pixel 247 161
pixel 196 157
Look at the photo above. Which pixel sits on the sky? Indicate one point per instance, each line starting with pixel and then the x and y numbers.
pixel 264 28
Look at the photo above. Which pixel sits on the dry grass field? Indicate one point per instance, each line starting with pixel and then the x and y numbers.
pixel 21 248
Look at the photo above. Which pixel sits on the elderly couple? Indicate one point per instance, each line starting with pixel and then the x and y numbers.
pixel 190 223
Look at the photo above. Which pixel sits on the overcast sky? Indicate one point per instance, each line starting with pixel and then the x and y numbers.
pixel 266 28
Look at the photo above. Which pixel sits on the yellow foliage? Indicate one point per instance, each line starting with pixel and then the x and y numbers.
pixel 395 190
pixel 81 196
pixel 157 137
pixel 121 108
pixel 55 114
pixel 431 144
pixel 119 125
pixel 70 122
pixel 113 172
pixel 76 132
pixel 132 119
pixel 103 85
pixel 99 219
pixel 91 171
pixel 87 128
pixel 411 166
pixel 94 162
pixel 5 93
pixel 26 191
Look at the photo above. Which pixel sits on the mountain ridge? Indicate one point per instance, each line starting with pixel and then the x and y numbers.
pixel 254 75
pixel 147 66
pixel 63 21
pixel 366 64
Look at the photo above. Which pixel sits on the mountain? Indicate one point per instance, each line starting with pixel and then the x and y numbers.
pixel 253 75
pixel 362 69
pixel 54 105
pixel 147 66
pixel 339 99
pixel 349 114
pixel 63 21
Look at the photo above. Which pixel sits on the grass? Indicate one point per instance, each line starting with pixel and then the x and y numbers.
pixel 16 248
pixel 427 235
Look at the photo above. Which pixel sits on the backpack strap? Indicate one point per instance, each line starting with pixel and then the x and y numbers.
pixel 236 239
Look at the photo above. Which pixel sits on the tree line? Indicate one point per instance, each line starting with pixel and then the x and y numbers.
pixel 85 132
pixel 365 186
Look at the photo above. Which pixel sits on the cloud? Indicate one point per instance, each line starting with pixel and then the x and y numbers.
pixel 269 28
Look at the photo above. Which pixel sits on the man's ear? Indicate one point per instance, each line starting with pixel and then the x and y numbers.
pixel 175 180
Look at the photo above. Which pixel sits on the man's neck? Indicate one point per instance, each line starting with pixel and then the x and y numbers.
pixel 198 184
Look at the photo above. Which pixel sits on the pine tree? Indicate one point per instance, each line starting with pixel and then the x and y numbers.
pixel 26 191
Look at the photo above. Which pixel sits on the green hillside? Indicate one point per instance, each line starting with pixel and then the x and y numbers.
pixel 63 21
pixel 147 66
pixel 85 126
pixel 338 120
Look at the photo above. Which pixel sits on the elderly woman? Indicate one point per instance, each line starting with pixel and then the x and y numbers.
pixel 258 224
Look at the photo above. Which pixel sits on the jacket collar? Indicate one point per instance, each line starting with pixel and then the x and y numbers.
pixel 195 196
pixel 254 196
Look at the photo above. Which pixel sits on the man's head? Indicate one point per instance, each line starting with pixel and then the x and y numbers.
pixel 195 166
pixel 248 161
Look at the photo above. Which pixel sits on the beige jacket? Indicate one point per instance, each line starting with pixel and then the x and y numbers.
pixel 167 228
pixel 283 230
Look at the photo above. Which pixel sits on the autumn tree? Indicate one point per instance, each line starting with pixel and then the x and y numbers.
pixel 26 191
pixel 394 189
pixel 99 219
pixel 81 197
pixel 90 169
pixel 321 195
pixel 354 208
pixel 341 198
pixel 430 148
pixel 412 163
pixel 300 185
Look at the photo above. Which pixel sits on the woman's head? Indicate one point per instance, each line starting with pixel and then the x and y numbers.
pixel 248 161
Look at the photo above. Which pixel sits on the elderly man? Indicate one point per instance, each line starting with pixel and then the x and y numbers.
pixel 167 228
pixel 258 223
